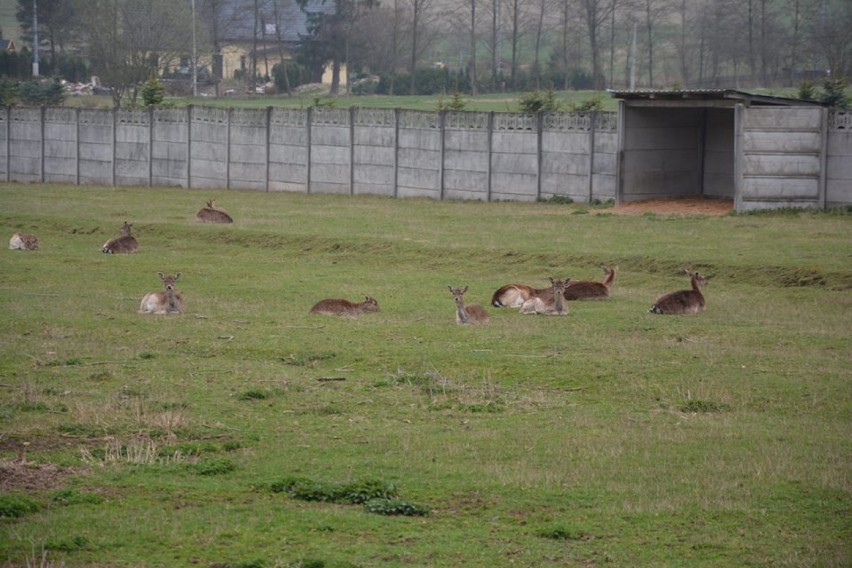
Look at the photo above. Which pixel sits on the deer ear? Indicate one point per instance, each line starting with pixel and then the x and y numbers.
pixel 162 276
pixel 177 276
pixel 464 289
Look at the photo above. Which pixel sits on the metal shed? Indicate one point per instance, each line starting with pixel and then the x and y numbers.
pixel 760 151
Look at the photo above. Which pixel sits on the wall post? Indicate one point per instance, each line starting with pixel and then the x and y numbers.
pixel 41 157
pixel 150 146
pixel 395 152
pixel 228 147
pixel 442 122
pixel 539 122
pixel 352 112
pixel 9 145
pixel 490 126
pixel 593 126
pixel 309 119
pixel 189 146
pixel 268 136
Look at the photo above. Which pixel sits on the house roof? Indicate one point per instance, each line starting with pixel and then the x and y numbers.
pixel 7 45
pixel 237 19
pixel 697 97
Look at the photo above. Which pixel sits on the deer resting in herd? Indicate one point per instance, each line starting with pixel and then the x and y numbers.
pixel 212 214
pixel 125 244
pixel 336 307
pixel 169 301
pixel 23 241
pixel 590 289
pixel 682 301
pixel 552 302
pixel 472 314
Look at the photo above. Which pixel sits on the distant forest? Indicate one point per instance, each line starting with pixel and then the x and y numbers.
pixel 484 45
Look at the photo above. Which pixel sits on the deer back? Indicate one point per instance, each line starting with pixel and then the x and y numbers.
pixel 340 307
pixel 23 241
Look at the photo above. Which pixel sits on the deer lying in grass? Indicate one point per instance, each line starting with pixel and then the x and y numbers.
pixel 682 301
pixel 336 307
pixel 23 241
pixel 591 290
pixel 168 302
pixel 125 244
pixel 514 295
pixel 550 303
pixel 212 214
pixel 472 314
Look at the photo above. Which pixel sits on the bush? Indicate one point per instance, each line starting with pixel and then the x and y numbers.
pixel 153 92
pixel 538 101
pixel 835 93
pixel 36 93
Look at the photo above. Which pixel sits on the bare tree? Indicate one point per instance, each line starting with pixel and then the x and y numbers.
pixel 419 16
pixel 596 13
pixel 128 42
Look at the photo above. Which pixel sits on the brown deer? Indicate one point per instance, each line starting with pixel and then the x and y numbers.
pixel 472 314
pixel 514 295
pixel 682 301
pixel 212 214
pixel 23 241
pixel 168 302
pixel 125 244
pixel 336 307
pixel 550 303
pixel 591 290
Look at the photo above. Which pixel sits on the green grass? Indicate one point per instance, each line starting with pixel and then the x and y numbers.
pixel 610 436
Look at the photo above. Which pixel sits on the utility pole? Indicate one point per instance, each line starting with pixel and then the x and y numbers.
pixel 35 39
pixel 633 60
pixel 194 56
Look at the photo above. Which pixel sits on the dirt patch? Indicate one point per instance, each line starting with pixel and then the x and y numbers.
pixel 686 207
pixel 25 476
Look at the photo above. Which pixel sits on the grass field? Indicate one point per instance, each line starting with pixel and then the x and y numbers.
pixel 248 433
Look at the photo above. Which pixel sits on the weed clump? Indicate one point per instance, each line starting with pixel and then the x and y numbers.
pixel 562 533
pixel 17 506
pixel 253 394
pixel 214 467
pixel 74 497
pixel 354 493
pixel 703 406
pixel 395 507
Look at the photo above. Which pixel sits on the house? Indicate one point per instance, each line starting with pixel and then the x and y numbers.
pixel 260 37
pixel 7 45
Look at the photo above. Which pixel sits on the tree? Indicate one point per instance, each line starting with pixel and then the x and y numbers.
pixel 419 15
pixel 128 41
pixel 56 24
pixel 596 12
pixel 331 32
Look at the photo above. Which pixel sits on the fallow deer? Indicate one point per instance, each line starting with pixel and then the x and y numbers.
pixel 471 314
pixel 125 244
pixel 682 301
pixel 212 214
pixel 169 301
pixel 549 303
pixel 23 241
pixel 337 307
pixel 514 295
pixel 590 289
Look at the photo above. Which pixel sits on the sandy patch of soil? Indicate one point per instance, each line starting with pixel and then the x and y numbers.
pixel 19 475
pixel 686 206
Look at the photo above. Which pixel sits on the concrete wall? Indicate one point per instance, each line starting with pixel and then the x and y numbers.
pixel 439 155
pixel 838 187
pixel 780 157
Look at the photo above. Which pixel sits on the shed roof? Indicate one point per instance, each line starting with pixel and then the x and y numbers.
pixel 708 97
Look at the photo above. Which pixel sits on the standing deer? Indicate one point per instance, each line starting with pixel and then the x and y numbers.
pixel 23 241
pixel 336 307
pixel 212 214
pixel 472 314
pixel 549 303
pixel 682 301
pixel 168 302
pixel 125 244
pixel 591 290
